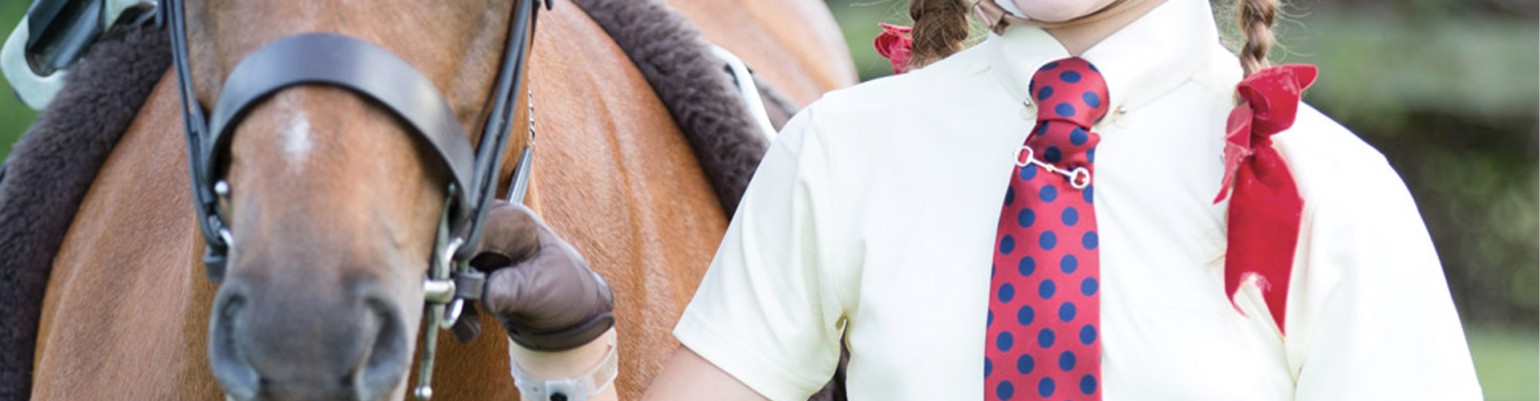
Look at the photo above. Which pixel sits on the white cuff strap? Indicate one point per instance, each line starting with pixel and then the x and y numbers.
pixel 577 388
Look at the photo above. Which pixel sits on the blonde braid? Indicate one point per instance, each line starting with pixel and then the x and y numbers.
pixel 940 28
pixel 1256 22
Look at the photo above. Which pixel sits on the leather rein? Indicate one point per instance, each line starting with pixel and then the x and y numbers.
pixel 374 73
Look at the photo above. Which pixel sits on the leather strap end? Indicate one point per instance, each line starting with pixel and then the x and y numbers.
pixel 468 327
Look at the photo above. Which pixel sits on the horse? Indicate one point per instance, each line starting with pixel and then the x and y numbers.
pixel 335 208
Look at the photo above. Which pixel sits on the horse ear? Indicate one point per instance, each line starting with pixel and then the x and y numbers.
pixel 511 233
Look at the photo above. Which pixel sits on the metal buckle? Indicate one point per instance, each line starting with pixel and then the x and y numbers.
pixel 438 294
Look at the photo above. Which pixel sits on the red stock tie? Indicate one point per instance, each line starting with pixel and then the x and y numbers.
pixel 1043 339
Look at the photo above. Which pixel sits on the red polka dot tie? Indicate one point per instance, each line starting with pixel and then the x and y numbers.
pixel 1044 306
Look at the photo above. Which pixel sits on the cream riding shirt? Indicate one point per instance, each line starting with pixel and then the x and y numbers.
pixel 874 215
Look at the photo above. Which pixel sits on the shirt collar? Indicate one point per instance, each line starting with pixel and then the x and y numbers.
pixel 1141 62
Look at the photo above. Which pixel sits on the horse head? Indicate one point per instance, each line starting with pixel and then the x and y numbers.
pixel 332 202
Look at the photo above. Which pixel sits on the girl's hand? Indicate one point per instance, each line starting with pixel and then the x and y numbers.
pixel 538 286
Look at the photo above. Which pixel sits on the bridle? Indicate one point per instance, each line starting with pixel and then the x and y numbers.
pixel 368 70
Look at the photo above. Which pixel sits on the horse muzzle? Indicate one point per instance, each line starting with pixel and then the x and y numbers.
pixel 272 341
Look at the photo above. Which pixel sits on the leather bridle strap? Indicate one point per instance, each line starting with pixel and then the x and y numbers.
pixel 216 234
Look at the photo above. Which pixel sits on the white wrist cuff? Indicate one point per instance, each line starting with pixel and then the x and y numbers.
pixel 577 388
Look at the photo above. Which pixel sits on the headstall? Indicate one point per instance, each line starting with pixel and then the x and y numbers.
pixel 370 71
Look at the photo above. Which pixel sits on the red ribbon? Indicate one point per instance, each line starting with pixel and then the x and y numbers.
pixel 1265 206
pixel 895 45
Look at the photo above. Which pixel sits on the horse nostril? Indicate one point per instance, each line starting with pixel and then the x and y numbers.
pixel 386 360
pixel 231 368
pixel 280 342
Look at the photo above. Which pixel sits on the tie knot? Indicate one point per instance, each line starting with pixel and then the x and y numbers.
pixel 1070 90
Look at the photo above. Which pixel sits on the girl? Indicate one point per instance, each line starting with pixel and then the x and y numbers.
pixel 1035 217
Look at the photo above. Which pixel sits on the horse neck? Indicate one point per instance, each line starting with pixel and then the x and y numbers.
pixel 127 286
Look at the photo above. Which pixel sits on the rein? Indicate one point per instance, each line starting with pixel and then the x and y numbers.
pixel 372 72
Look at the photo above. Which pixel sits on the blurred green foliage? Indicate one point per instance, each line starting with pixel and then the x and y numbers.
pixel 1452 104
pixel 14 117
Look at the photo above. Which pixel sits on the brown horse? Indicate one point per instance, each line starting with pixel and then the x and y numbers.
pixel 334 207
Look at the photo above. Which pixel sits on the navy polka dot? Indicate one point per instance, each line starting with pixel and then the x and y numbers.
pixel 1007 244
pixel 1045 387
pixel 1090 155
pixel 1027 172
pixel 1067 312
pixel 1047 240
pixel 1046 289
pixel 1049 66
pixel 1010 196
pixel 1078 136
pixel 1089 240
pixel 1045 338
pixel 991 319
pixel 1086 193
pixel 1026 266
pixel 1066 361
pixel 1048 193
pixel 989 367
pixel 1070 216
pixel 1091 99
pixel 1069 264
pixel 1044 92
pixel 1004 342
pixel 1041 129
pixel 1088 286
pixel 1070 76
pixel 1007 292
pixel 1088 385
pixel 1025 364
pixel 1053 154
pixel 1025 315
pixel 1025 217
pixel 1087 334
pixel 1005 390
pixel 1064 110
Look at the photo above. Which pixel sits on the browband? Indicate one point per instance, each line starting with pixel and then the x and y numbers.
pixel 340 61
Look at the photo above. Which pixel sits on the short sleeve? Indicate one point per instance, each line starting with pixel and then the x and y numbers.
pixel 1377 321
pixel 766 311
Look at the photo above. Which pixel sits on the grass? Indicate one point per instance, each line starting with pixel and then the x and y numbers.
pixel 1507 361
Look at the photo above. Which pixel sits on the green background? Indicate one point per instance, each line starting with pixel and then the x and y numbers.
pixel 1446 89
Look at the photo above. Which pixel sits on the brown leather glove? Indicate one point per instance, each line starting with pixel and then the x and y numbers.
pixel 538 286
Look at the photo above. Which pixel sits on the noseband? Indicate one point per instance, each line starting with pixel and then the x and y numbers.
pixel 372 72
